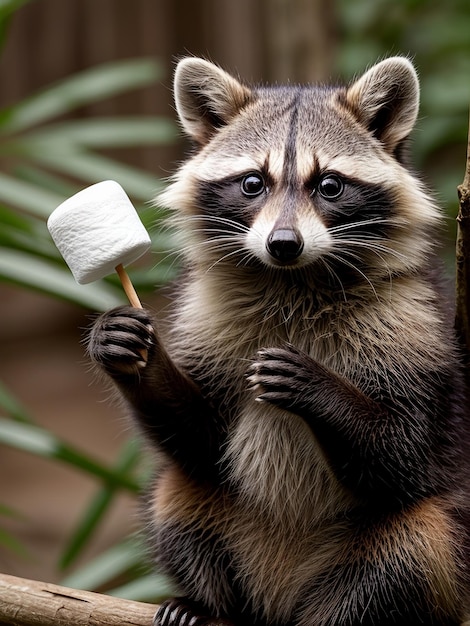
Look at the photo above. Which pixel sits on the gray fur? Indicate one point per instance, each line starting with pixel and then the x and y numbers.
pixel 224 315
pixel 325 366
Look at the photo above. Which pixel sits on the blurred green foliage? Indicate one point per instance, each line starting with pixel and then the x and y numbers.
pixel 436 37
pixel 47 153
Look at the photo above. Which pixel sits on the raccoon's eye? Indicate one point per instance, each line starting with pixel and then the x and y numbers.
pixel 252 185
pixel 330 187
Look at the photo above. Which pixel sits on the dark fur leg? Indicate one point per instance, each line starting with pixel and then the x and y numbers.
pixel 167 405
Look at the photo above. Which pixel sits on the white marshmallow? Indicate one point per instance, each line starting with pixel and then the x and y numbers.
pixel 96 230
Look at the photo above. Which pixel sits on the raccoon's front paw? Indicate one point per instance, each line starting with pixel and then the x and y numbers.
pixel 284 377
pixel 120 340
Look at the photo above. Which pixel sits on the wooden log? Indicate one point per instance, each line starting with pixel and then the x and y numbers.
pixel 33 603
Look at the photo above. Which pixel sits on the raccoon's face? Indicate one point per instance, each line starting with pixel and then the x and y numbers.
pixel 303 179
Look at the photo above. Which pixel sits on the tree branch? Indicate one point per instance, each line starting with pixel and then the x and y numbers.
pixel 32 603
pixel 462 313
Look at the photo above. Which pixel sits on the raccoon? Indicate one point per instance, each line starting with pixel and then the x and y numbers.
pixel 308 404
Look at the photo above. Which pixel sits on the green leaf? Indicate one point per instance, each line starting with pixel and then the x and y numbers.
pixel 37 440
pixel 28 270
pixel 28 438
pixel 100 504
pixel 13 219
pixel 27 196
pixel 12 407
pixel 150 588
pixel 27 233
pixel 81 89
pixel 7 7
pixel 90 520
pixel 103 132
pixel 83 462
pixel 9 541
pixel 94 168
pixel 108 566
pixel 39 177
pixel 7 511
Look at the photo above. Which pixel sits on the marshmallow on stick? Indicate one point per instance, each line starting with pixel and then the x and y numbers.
pixel 98 231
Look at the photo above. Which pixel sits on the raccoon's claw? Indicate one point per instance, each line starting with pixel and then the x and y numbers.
pixel 121 339
pixel 182 612
pixel 281 376
pixel 175 612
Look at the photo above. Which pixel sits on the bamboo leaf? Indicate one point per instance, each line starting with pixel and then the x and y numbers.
pixel 37 440
pixel 27 196
pixel 12 219
pixel 28 270
pixel 7 511
pixel 7 8
pixel 81 89
pixel 108 566
pixel 99 506
pixel 150 588
pixel 38 176
pixel 9 541
pixel 12 407
pixel 102 132
pixel 89 521
pixel 94 168
pixel 31 238
pixel 83 462
pixel 28 437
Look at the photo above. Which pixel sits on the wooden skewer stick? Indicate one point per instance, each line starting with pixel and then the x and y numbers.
pixel 128 287
pixel 132 297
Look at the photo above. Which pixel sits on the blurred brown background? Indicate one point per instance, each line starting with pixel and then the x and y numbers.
pixel 41 358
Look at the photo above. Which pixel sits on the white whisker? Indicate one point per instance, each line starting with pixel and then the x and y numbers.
pixel 217 240
pixel 339 258
pixel 334 275
pixel 223 258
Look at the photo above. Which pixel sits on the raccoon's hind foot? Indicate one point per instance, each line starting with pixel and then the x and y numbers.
pixel 183 612
pixel 120 340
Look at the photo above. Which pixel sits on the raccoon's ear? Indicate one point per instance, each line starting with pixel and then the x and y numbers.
pixel 206 97
pixel 386 100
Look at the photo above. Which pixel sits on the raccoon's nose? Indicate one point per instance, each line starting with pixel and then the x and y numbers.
pixel 285 245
